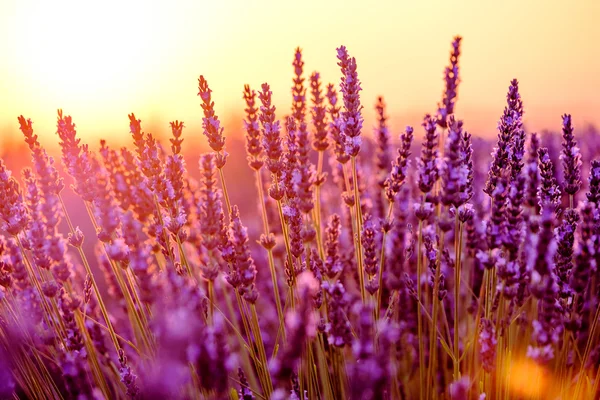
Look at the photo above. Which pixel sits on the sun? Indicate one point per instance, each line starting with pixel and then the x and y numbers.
pixel 86 50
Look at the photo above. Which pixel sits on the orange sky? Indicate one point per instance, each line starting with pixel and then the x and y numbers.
pixel 100 61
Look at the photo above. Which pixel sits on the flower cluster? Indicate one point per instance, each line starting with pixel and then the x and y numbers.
pixel 384 282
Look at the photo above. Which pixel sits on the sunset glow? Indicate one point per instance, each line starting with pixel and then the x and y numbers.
pixel 526 378
pixel 101 61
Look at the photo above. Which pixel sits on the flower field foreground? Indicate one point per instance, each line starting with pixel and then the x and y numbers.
pixel 397 273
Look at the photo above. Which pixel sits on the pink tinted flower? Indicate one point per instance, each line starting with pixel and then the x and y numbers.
pixel 399 170
pixel 76 157
pixel 382 137
pixel 335 126
pixel 176 140
pixel 253 147
pixel 509 127
pixel 298 90
pixel 319 113
pixel 271 139
pixel 210 123
pixel 571 158
pixel 242 264
pixel 487 345
pixel 12 207
pixel 428 162
pixel 352 119
pixel 451 78
pixel 210 206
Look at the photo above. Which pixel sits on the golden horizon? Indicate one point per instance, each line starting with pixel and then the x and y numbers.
pixel 100 63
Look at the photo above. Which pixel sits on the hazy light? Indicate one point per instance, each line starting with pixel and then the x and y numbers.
pixel 526 378
pixel 100 61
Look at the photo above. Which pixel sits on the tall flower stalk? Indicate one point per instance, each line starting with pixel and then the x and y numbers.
pixel 352 121
pixel 255 160
pixel 214 132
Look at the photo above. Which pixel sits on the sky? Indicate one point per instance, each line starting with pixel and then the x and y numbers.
pixel 101 60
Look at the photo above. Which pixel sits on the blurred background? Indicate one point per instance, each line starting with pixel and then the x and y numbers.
pixel 100 61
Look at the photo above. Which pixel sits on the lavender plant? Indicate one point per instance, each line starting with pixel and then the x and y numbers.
pixel 322 289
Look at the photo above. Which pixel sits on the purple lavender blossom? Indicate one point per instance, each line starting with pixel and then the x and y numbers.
pixel 352 119
pixel 242 264
pixel 371 264
pixel 253 147
pixel 372 371
pixel 451 78
pixel 212 218
pixel 565 242
pixel 593 196
pixel 339 332
pixel 303 176
pixel 333 264
pixel 428 162
pixel 12 207
pixel 455 173
pixel 76 157
pixel 544 286
pixel 400 166
pixel 318 113
pixel 51 184
pixel 532 172
pixel 509 125
pixel 467 156
pixel 487 345
pixel 245 393
pixel 298 90
pixel 459 389
pixel 549 191
pixel 271 140
pixel 571 158
pixel 382 137
pixel 127 377
pixel 335 126
pixel 210 122
pixel 301 326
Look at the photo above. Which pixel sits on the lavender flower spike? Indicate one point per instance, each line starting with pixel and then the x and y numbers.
pixel 271 139
pixel 400 166
pixel 571 158
pixel 210 123
pixel 242 263
pixel 451 77
pixel 456 173
pixel 428 162
pixel 508 127
pixel 319 113
pixel 382 136
pixel 352 119
pixel 253 147
pixel 593 196
pixel 12 207
pixel 298 90
pixel 548 192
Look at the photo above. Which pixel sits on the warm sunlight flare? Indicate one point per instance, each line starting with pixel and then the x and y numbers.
pixel 82 50
pixel 73 52
pixel 527 378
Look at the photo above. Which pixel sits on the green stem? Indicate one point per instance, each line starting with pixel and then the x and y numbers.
pixel 225 193
pixel 359 218
pixel 420 313
pixel 458 229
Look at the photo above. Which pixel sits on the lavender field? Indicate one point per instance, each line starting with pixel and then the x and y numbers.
pixel 354 265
